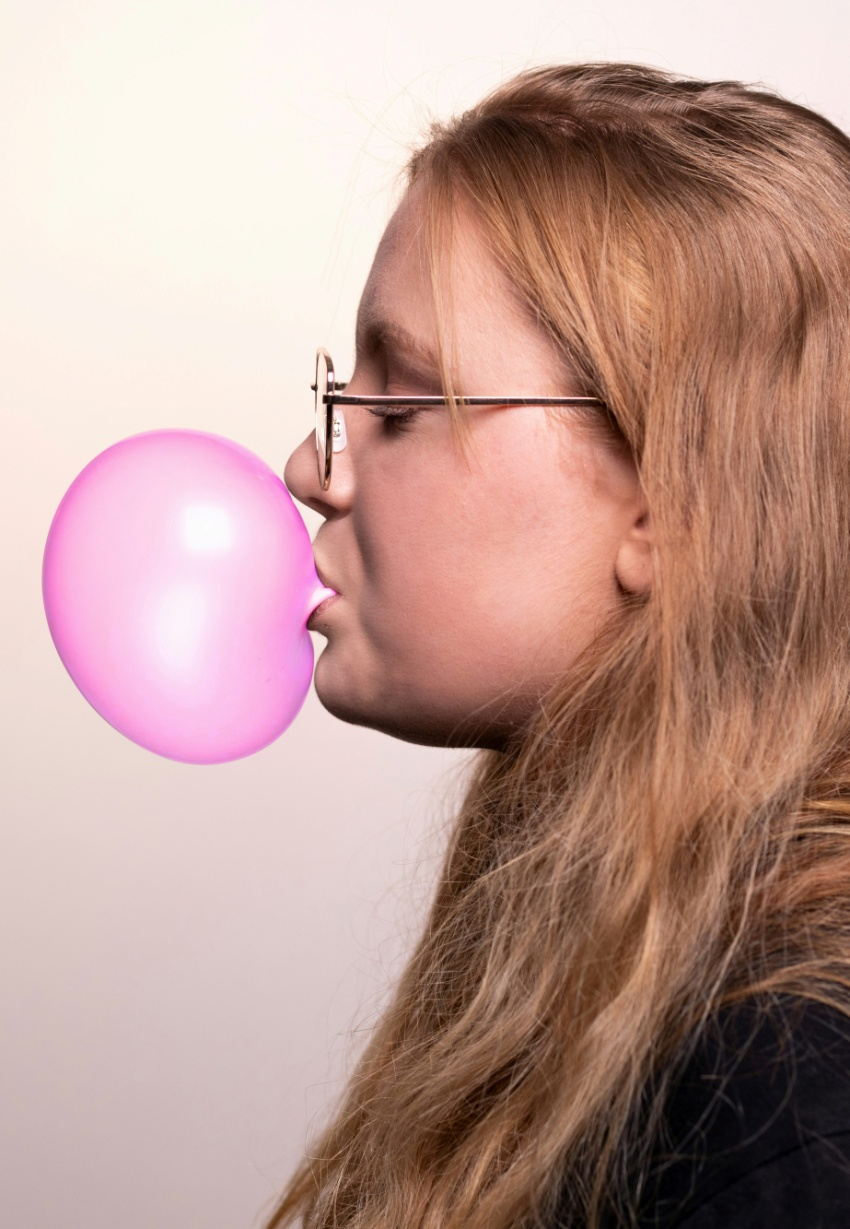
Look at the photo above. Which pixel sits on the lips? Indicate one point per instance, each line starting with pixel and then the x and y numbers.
pixel 321 609
pixel 332 596
pixel 323 578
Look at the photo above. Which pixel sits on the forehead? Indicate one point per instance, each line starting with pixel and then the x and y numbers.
pixel 398 291
pixel 398 304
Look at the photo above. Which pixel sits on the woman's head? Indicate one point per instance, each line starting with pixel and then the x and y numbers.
pixel 471 569
pixel 668 827
pixel 676 249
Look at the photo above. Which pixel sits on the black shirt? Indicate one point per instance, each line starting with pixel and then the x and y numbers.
pixel 757 1126
pixel 759 1123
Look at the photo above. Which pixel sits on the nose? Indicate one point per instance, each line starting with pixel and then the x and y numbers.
pixel 301 476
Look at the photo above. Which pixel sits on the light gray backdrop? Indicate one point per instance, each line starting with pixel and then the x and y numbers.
pixel 192 191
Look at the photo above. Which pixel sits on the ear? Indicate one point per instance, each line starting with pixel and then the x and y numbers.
pixel 633 565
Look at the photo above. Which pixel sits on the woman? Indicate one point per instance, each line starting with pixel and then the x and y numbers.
pixel 629 1001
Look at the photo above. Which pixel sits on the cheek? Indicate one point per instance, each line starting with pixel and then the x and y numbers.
pixel 414 556
pixel 480 571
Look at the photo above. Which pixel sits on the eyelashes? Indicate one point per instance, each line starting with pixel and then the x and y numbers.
pixel 395 420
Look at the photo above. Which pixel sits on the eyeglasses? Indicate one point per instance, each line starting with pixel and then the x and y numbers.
pixel 330 424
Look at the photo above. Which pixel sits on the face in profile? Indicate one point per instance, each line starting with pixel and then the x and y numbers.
pixel 470 573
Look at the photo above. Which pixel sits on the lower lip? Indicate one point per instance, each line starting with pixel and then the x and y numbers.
pixel 321 610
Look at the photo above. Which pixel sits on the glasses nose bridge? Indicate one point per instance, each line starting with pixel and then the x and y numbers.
pixel 338 432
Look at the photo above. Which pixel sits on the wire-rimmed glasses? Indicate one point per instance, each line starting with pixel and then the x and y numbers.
pixel 330 425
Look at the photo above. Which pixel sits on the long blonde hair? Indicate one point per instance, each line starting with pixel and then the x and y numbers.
pixel 673 831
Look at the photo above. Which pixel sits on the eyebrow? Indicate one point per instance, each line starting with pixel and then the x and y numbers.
pixel 376 332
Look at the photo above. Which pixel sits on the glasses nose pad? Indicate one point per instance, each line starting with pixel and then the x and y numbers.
pixel 339 436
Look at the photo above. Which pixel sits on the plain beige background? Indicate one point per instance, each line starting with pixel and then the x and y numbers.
pixel 191 194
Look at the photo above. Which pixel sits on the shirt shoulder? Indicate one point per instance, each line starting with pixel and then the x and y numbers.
pixel 757 1125
pixel 808 1188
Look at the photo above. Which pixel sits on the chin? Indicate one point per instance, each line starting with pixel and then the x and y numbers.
pixel 423 723
pixel 409 727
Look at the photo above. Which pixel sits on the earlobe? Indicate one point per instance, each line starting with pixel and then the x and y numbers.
pixel 634 563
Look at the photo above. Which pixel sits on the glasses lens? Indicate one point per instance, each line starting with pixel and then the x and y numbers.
pixel 321 416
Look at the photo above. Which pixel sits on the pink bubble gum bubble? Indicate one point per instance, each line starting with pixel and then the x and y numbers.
pixel 178 578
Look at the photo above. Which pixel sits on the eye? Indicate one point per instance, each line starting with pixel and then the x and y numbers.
pixel 394 419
